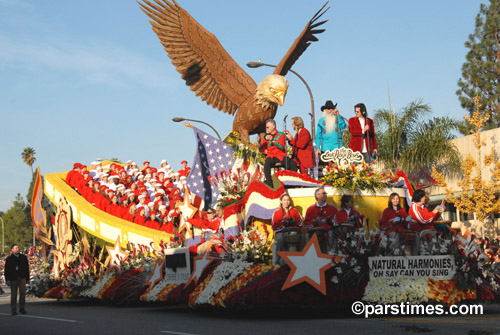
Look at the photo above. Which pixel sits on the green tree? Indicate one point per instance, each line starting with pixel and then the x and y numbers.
pixel 481 71
pixel 18 228
pixel 394 131
pixel 430 145
pixel 407 142
pixel 28 157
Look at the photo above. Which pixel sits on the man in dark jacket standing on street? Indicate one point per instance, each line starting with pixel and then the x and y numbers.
pixel 17 274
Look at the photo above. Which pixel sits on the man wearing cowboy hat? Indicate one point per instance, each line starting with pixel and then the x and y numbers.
pixel 329 133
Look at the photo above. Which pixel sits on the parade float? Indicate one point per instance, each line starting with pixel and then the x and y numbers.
pixel 95 255
pixel 135 264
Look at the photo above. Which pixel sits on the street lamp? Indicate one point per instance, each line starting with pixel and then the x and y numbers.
pixel 180 119
pixel 313 119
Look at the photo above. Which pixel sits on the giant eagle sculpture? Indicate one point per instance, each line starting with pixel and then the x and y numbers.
pixel 214 76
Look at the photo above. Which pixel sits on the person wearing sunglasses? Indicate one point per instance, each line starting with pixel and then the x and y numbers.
pixel 274 145
pixel 362 131
pixel 209 224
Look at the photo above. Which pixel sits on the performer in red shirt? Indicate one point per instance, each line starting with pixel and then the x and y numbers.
pixel 166 225
pixel 86 190
pixel 114 208
pixel 129 213
pixel 209 225
pixel 362 133
pixel 301 144
pixel 152 222
pixel 321 214
pixel 273 144
pixel 347 213
pixel 423 217
pixel 99 200
pixel 71 174
pixel 140 217
pixel 185 169
pixel 285 216
pixel 394 218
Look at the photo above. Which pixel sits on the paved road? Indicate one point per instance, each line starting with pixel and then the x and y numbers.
pixel 66 317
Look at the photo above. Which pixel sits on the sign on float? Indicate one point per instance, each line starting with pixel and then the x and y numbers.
pixel 438 267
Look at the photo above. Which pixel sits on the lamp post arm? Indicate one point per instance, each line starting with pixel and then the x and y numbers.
pixel 313 121
pixel 177 119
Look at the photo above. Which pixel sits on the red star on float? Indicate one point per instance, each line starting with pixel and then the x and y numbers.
pixel 308 266
pixel 200 263
pixel 116 255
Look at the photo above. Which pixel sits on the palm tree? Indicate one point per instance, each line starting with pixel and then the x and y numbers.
pixel 393 131
pixel 431 146
pixel 407 142
pixel 28 157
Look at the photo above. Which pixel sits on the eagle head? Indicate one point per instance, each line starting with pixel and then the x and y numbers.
pixel 271 91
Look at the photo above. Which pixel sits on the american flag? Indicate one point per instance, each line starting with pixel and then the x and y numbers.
pixel 212 156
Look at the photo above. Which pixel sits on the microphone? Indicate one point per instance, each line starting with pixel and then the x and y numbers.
pixel 284 120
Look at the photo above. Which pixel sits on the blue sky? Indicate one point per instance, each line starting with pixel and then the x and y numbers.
pixel 80 80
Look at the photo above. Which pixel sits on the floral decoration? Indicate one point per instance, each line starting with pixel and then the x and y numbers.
pixel 355 178
pixel 163 295
pixel 252 245
pixel 193 297
pixel 221 276
pixel 233 184
pixel 354 248
pixel 243 150
pixel 249 274
pixel 392 290
pixel 447 292
pixel 478 266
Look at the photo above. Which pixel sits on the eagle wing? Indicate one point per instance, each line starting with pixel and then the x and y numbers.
pixel 302 42
pixel 199 57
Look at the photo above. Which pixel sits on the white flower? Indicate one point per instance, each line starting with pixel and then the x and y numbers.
pixel 94 290
pixel 397 289
pixel 222 275
pixel 335 280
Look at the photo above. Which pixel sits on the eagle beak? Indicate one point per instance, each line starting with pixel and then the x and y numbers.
pixel 280 97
